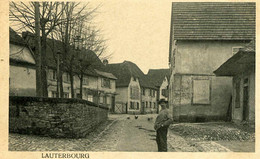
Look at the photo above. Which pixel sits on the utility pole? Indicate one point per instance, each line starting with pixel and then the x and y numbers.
pixel 39 89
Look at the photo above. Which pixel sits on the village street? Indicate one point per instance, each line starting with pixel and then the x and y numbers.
pixel 123 134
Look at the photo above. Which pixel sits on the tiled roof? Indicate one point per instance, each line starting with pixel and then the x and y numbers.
pixel 52 48
pixel 105 74
pixel 124 71
pixel 15 38
pixel 20 56
pixel 157 76
pixel 213 20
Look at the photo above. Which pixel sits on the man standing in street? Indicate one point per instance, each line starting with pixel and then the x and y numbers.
pixel 161 125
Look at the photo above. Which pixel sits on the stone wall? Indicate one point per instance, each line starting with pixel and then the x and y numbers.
pixel 70 118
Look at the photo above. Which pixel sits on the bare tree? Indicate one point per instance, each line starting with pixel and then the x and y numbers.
pixel 78 26
pixel 64 21
pixel 50 17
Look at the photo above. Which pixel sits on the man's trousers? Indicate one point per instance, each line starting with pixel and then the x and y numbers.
pixel 161 139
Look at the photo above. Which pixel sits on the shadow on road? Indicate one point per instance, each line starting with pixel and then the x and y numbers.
pixel 140 127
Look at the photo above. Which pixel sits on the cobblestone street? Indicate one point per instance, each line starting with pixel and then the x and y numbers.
pixel 118 134
pixel 129 135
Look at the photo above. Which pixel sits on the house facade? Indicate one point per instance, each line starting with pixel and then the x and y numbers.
pixel 160 79
pixel 22 77
pixel 201 39
pixel 149 100
pixel 241 67
pixel 135 94
pixel 98 86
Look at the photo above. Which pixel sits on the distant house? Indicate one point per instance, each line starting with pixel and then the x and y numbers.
pixel 203 36
pixel 241 67
pixel 98 85
pixel 160 79
pixel 22 78
pixel 107 89
pixel 135 94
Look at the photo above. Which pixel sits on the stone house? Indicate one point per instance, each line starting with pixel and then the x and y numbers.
pixel 241 67
pixel 135 94
pixel 98 86
pixel 22 77
pixel 203 36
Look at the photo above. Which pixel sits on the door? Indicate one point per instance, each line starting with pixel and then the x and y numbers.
pixel 113 103
pixel 245 103
pixel 142 108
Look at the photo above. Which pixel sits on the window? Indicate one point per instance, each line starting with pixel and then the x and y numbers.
pixel 53 94
pixel 132 105
pixel 105 82
pixel 85 80
pixel 154 105
pixel 165 92
pixel 101 99
pixel 146 104
pixel 143 91
pixel 66 95
pixel 143 104
pixel 150 104
pixel 201 92
pixel 53 75
pixel 236 49
pixel 90 98
pixel 237 100
pixel 150 92
pixel 108 100
pixel 137 106
pixel 104 99
pixel 153 93
pixel 134 92
pixel 66 77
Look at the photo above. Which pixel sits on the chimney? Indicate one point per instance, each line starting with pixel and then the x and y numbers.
pixel 105 62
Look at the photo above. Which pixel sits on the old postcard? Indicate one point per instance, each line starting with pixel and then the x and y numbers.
pixel 128 79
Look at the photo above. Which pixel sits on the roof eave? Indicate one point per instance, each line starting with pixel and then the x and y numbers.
pixel 232 67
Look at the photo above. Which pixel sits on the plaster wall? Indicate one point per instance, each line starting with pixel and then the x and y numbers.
pixel 237 109
pixel 137 100
pixel 202 57
pixel 22 81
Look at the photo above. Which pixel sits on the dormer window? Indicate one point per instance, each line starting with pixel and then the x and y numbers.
pixel 106 83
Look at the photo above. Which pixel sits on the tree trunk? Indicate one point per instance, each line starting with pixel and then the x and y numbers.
pixel 61 84
pixel 71 83
pixel 44 65
pixel 38 51
pixel 81 85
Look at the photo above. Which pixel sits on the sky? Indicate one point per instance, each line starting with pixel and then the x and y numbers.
pixel 137 31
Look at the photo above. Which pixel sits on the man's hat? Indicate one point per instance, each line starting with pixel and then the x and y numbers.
pixel 162 101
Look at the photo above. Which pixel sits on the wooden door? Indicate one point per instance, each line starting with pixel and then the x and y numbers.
pixel 245 103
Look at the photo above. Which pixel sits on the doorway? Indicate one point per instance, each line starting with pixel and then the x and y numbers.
pixel 245 100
